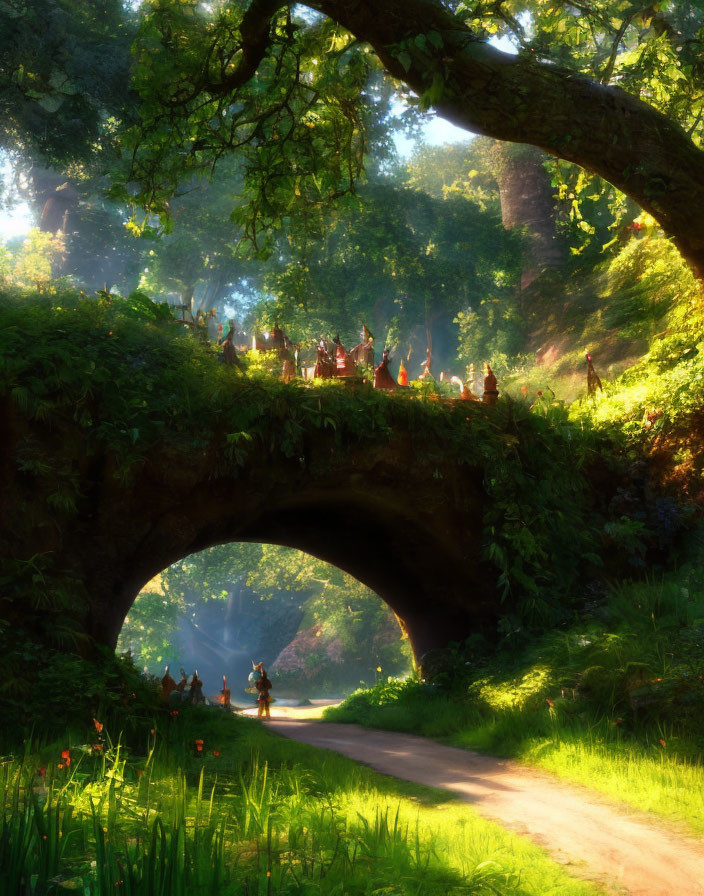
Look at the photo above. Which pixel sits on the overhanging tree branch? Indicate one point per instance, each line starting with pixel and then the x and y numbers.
pixel 519 99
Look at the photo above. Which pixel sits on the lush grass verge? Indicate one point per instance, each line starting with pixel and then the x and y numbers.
pixel 248 813
pixel 614 703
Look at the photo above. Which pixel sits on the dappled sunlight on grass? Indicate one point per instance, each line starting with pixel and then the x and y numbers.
pixel 247 812
pixel 614 704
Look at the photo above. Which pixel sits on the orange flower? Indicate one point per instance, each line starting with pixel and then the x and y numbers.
pixel 60 765
pixel 662 743
pixel 98 747
pixel 216 753
pixel 549 702
pixel 66 756
pixel 98 725
pixel 199 745
pixel 153 731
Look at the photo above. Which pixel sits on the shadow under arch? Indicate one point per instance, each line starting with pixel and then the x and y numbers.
pixel 420 563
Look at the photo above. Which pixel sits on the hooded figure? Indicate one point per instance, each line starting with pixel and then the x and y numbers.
pixel 382 377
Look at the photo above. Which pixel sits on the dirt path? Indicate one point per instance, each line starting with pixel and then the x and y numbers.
pixel 623 851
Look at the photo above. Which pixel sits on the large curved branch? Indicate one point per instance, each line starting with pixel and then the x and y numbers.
pixel 518 99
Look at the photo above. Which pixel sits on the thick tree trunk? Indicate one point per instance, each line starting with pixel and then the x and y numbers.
pixel 527 205
pixel 514 98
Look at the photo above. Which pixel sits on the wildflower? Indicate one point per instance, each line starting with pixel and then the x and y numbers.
pixel 662 743
pixel 174 713
pixel 549 702
pixel 140 772
pixel 152 731
pixel 66 756
pixel 98 725
pixel 199 745
pixel 42 771
pixel 216 752
pixel 98 747
pixel 60 765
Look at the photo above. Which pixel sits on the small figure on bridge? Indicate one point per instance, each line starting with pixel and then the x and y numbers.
pixel 168 686
pixel 382 377
pixel 491 392
pixel 466 393
pixel 323 365
pixel 593 381
pixel 344 365
pixel 364 352
pixel 426 365
pixel 195 691
pixel 402 375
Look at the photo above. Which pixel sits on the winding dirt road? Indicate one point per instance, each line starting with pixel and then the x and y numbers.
pixel 625 852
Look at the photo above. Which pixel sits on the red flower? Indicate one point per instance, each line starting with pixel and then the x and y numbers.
pixel 199 745
pixel 174 713
pixel 98 725
pixel 98 747
pixel 42 771
pixel 216 753
pixel 549 702
pixel 662 743
pixel 66 756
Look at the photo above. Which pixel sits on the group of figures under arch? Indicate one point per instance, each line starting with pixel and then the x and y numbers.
pixel 191 693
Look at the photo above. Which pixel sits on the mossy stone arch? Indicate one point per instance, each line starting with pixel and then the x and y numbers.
pixel 126 446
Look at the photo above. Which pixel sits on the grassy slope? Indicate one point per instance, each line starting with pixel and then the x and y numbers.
pixel 268 816
pixel 614 702
pixel 634 313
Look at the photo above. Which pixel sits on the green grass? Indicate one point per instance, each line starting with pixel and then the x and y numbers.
pixel 265 816
pixel 615 703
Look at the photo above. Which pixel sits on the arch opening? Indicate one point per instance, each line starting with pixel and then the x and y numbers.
pixel 319 631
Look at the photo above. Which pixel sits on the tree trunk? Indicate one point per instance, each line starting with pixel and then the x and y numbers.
pixel 527 205
pixel 515 98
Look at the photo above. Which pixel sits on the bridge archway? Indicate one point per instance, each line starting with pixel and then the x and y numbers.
pixel 425 568
pixel 319 631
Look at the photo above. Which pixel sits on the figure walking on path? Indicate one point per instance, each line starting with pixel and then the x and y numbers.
pixel 263 686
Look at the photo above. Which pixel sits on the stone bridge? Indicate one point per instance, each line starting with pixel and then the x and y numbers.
pixel 125 448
